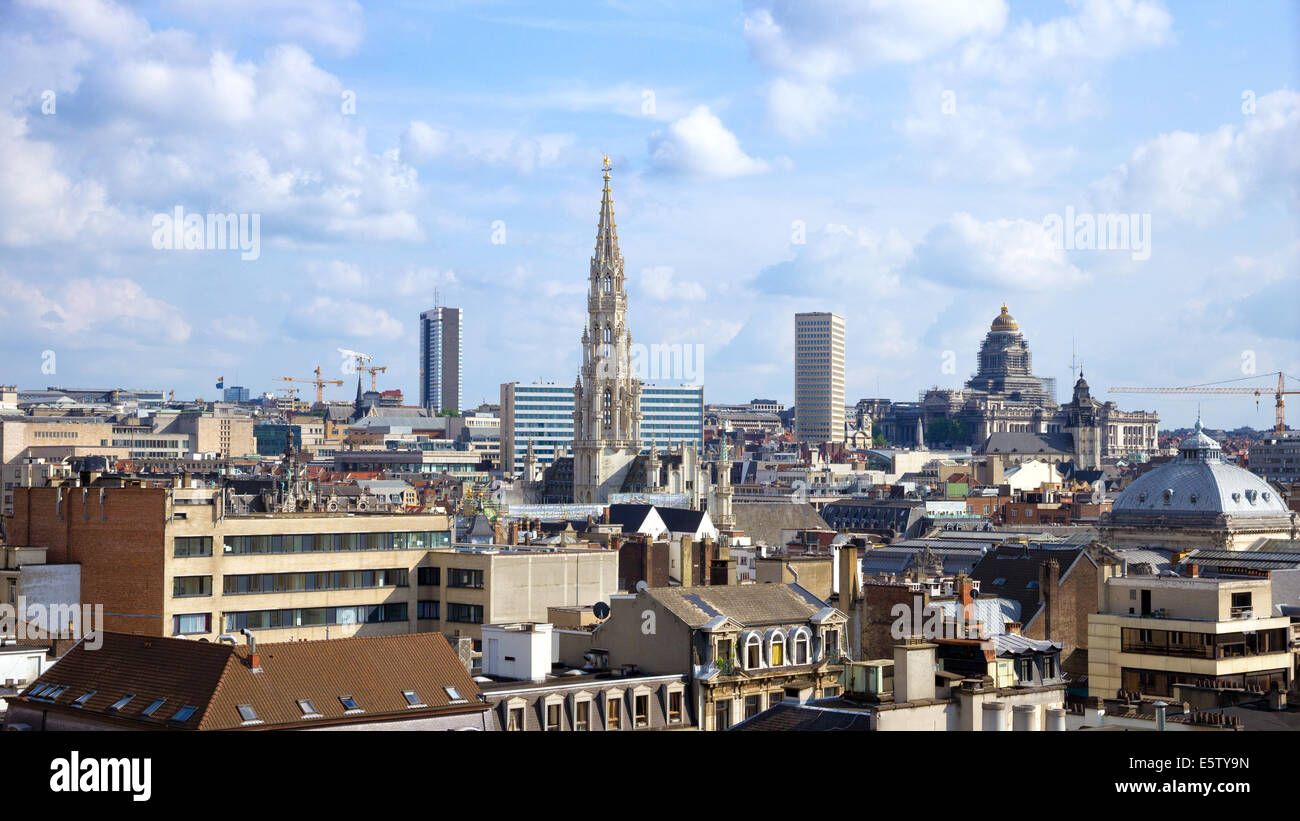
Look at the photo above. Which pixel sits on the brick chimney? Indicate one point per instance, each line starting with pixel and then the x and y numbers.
pixel 514 534
pixel 688 561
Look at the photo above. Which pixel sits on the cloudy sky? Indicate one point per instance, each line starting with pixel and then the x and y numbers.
pixel 893 161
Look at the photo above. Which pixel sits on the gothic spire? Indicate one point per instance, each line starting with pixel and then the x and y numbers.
pixel 607 231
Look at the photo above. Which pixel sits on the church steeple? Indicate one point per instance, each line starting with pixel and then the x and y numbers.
pixel 607 230
pixel 607 409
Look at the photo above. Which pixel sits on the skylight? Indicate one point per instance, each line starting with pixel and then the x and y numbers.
pixel 122 702
pixel 183 714
pixel 153 707
pixel 83 698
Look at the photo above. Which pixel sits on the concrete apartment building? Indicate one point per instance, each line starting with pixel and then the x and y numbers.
pixel 1276 457
pixel 460 589
pixel 819 377
pixel 172 562
pixel 1154 633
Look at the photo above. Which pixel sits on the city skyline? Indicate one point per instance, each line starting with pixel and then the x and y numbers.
pixel 799 166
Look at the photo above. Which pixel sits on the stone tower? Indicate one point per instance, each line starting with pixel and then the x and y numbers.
pixel 606 395
pixel 1082 424
pixel 722 492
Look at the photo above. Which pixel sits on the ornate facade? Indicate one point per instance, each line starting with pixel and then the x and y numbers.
pixel 606 395
pixel 1005 397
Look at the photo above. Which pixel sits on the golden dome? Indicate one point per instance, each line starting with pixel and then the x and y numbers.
pixel 1005 322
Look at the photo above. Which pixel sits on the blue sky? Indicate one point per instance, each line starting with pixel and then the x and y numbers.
pixel 891 161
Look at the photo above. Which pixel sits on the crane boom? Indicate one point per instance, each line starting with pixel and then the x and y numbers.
pixel 1279 406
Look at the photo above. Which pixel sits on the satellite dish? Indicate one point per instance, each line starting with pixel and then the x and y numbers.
pixel 641 586
pixel 601 610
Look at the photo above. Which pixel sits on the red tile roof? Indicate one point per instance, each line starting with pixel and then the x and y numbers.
pixel 216 679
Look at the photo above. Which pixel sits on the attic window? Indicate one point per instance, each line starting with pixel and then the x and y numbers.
pixel 117 706
pixel 83 698
pixel 454 695
pixel 56 692
pixel 412 700
pixel 999 581
pixel 248 714
pixel 350 704
pixel 41 689
pixel 153 708
pixel 183 714
pixel 308 710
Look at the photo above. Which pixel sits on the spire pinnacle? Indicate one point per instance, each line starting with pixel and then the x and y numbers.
pixel 607 231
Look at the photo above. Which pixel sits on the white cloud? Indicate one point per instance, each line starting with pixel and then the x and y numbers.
pixel 92 310
pixel 421 281
pixel 799 109
pixel 329 318
pixel 339 25
pixel 38 203
pixel 823 39
pixel 1101 30
pixel 1199 178
pixel 699 145
pixel 1018 254
pixel 810 44
pixel 660 282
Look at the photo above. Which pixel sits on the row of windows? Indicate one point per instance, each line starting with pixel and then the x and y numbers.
pixel 312 617
pixel 336 542
pixel 307 582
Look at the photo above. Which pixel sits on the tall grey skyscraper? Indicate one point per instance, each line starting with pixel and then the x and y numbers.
pixel 819 378
pixel 440 359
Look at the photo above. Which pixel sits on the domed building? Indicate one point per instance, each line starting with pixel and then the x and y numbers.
pixel 1198 500
pixel 1014 415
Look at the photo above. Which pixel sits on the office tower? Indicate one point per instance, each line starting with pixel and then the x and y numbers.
pixel 440 359
pixel 819 377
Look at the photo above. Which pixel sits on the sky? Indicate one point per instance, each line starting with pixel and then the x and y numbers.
pixel 895 161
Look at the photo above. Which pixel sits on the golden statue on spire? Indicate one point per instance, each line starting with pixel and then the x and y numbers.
pixel 606 166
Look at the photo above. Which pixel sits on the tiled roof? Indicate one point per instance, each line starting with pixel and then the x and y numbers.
pixel 216 680
pixel 790 716
pixel 764 521
pixel 1011 572
pixel 1028 443
pixel 751 605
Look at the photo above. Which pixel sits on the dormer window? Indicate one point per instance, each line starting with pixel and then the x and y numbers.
pixel 800 647
pixel 753 653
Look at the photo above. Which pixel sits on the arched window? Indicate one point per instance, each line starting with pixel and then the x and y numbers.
pixel 609 334
pixel 753 652
pixel 775 647
pixel 608 405
pixel 800 646
pixel 609 284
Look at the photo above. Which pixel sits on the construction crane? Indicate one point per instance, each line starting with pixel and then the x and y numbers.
pixel 1279 414
pixel 361 360
pixel 318 382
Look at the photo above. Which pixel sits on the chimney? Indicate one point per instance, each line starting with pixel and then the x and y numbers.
pixel 1195 570
pixel 914 667
pixel 605 516
pixel 514 533
pixel 1276 696
pixel 615 542
pixel 850 589
pixel 688 561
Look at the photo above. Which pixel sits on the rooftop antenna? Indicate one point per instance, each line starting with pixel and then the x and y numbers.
pixel 1075 364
